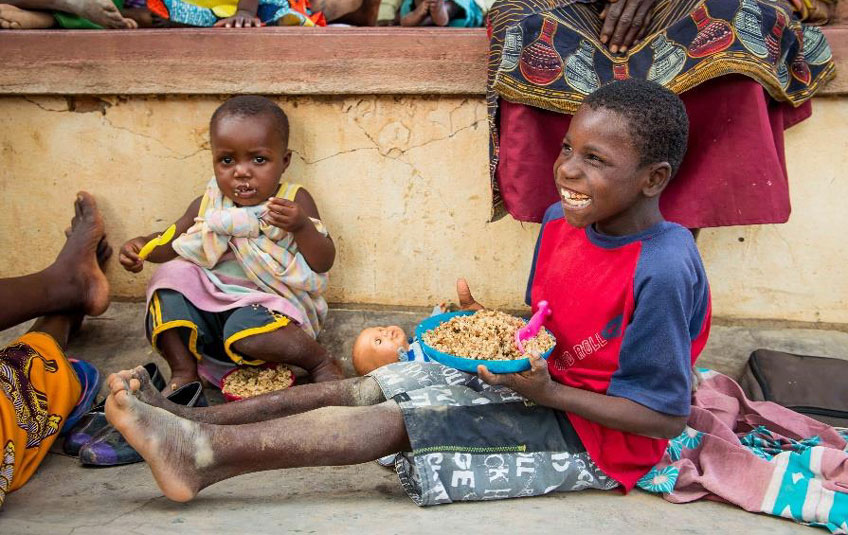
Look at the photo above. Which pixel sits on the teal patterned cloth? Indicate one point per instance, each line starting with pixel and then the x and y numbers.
pixel 762 469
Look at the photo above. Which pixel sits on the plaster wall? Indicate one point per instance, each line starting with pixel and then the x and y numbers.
pixel 402 184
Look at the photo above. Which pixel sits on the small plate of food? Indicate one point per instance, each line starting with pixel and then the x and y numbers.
pixel 467 339
pixel 248 381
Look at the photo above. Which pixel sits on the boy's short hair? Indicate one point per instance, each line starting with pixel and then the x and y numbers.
pixel 252 106
pixel 656 118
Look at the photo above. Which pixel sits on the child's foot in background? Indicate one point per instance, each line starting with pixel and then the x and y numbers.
pixel 439 12
pixel 102 12
pixel 14 18
pixel 416 16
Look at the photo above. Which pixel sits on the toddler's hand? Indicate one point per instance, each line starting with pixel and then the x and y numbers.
pixel 466 300
pixel 242 19
pixel 285 214
pixel 533 384
pixel 128 256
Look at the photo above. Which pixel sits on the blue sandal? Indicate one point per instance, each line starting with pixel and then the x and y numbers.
pixel 91 423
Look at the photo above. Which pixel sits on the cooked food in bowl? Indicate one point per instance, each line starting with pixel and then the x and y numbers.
pixel 247 382
pixel 486 335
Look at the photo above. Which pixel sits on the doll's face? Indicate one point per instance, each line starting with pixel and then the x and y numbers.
pixel 378 346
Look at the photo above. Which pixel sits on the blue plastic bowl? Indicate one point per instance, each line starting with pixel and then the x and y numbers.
pixel 464 363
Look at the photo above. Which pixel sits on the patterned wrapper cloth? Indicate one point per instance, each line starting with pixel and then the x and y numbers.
pixel 548 55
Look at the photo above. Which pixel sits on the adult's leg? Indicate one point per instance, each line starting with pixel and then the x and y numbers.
pixel 73 282
pixel 355 392
pixel 63 325
pixel 102 12
pixel 290 345
pixel 186 456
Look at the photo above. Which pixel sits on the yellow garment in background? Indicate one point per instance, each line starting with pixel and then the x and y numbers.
pixel 221 8
pixel 38 390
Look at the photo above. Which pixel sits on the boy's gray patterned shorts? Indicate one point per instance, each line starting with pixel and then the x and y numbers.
pixel 474 441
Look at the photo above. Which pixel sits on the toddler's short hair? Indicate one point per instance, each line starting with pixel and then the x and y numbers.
pixel 252 106
pixel 656 118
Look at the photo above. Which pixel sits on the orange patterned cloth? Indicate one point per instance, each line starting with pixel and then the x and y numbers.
pixel 38 390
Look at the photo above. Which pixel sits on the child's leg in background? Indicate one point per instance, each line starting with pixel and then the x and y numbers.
pixel 253 334
pixel 181 333
pixel 176 353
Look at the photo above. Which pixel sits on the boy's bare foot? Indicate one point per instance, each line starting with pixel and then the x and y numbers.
pixel 416 16
pixel 138 382
pixel 15 18
pixel 178 451
pixel 102 12
pixel 77 268
pixel 438 10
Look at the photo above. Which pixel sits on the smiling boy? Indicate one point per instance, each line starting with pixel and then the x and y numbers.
pixel 630 312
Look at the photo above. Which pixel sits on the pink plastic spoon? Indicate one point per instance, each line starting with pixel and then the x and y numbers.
pixel 532 328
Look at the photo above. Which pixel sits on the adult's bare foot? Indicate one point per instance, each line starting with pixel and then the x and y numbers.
pixel 178 451
pixel 439 12
pixel 77 268
pixel 15 18
pixel 102 12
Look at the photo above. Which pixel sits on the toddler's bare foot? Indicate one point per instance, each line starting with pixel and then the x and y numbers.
pixel 416 16
pixel 102 12
pixel 178 451
pixel 15 18
pixel 78 267
pixel 180 378
pixel 439 12
pixel 328 370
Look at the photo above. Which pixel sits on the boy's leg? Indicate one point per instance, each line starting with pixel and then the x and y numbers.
pixel 73 282
pixel 288 345
pixel 355 392
pixel 187 456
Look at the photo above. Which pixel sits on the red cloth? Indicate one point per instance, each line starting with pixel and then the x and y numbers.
pixel 589 289
pixel 734 172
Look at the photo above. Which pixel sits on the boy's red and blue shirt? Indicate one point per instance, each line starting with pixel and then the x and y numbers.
pixel 630 315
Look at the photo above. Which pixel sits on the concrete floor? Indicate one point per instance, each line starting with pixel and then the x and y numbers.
pixel 64 497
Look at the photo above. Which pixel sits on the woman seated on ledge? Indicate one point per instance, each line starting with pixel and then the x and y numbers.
pixel 745 69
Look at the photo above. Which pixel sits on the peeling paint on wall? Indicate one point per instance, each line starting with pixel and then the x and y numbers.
pixel 402 183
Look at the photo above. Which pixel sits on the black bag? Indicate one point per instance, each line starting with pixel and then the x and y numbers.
pixel 814 386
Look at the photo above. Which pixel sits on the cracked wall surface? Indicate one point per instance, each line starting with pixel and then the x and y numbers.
pixel 402 184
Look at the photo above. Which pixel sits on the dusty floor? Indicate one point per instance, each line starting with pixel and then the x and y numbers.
pixel 64 497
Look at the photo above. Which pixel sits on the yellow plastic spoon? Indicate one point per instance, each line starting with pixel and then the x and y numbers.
pixel 161 239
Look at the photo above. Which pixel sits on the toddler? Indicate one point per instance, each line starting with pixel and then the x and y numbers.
pixel 243 282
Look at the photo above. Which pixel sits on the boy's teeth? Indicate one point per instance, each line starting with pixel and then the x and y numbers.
pixel 572 198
